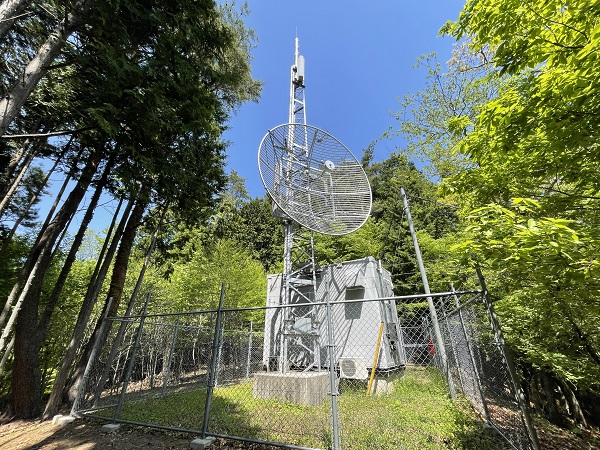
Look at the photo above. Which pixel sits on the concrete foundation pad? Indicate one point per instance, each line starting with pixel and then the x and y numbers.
pixel 59 419
pixel 382 386
pixel 110 427
pixel 201 443
pixel 306 388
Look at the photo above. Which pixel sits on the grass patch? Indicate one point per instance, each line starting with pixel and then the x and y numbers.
pixel 418 414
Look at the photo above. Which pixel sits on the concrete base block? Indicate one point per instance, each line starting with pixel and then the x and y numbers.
pixel 306 388
pixel 201 444
pixel 382 386
pixel 110 427
pixel 59 419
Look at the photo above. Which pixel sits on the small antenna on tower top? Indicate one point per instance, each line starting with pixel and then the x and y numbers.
pixel 298 67
pixel 297 103
pixel 296 52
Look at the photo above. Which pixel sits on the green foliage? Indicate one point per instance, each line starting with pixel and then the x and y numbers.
pixel 555 261
pixel 434 120
pixel 366 241
pixel 196 281
pixel 390 232
pixel 530 196
pixel 63 318
pixel 539 136
pixel 262 232
pixel 28 193
pixel 161 83
pixel 11 262
pixel 149 86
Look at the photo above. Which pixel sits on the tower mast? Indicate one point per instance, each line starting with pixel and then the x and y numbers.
pixel 299 340
pixel 297 102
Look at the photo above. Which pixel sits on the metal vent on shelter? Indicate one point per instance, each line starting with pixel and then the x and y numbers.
pixel 314 179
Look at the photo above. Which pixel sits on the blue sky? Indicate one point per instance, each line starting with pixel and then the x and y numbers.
pixel 360 59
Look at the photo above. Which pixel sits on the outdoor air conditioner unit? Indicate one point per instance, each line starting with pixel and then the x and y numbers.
pixel 355 368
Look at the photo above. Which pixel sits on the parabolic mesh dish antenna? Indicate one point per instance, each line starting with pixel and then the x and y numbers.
pixel 314 179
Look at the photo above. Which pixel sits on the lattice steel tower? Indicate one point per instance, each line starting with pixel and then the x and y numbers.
pixel 316 185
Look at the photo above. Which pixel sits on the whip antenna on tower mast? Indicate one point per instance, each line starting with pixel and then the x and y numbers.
pixel 297 101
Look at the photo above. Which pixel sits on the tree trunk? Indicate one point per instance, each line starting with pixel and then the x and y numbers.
pixel 11 189
pixel 9 9
pixel 11 168
pixel 66 269
pixel 87 306
pixel 123 325
pixel 9 349
pixel 573 403
pixel 122 260
pixel 26 384
pixel 11 104
pixel 15 291
pixel 584 339
pixel 535 388
pixel 554 397
pixel 22 290
pixel 106 254
pixel 23 156
pixel 116 286
pixel 32 202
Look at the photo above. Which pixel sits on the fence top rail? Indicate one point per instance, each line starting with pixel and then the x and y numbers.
pixel 340 302
pixel 458 309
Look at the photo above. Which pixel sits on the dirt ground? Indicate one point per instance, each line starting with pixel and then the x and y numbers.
pixel 84 434
pixel 87 434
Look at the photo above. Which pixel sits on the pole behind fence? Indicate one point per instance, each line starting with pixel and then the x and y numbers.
pixel 213 364
pixel 432 312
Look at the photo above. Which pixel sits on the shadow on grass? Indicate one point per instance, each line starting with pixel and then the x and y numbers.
pixel 234 412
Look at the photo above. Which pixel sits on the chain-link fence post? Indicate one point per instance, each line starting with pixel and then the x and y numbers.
pixel 249 356
pixel 518 392
pixel 471 355
pixel 335 421
pixel 136 345
pixel 219 355
pixel 90 361
pixel 213 363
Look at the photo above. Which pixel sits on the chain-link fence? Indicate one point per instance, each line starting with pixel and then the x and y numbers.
pixel 325 383
pixel 472 358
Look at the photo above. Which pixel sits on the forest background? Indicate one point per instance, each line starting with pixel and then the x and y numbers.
pixel 133 105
